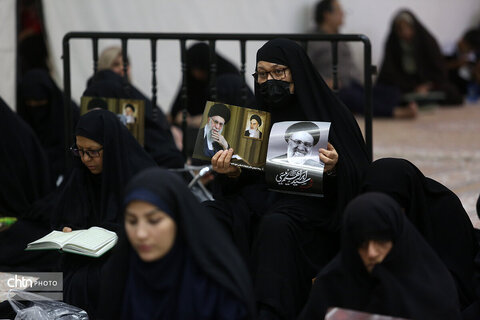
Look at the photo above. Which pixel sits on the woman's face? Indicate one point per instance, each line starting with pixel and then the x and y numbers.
pixel 91 154
pixel 117 66
pixel 405 31
pixel 151 231
pixel 373 252
pixel 273 71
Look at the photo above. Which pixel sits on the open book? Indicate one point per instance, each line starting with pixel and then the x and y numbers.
pixel 92 242
pixel 341 314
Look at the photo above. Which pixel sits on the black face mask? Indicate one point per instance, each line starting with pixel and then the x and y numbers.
pixel 276 93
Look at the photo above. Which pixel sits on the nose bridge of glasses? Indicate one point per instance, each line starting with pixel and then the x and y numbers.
pixel 84 153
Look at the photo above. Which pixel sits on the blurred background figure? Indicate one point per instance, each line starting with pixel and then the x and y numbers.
pixel 110 82
pixel 413 62
pixel 329 17
pixel 41 106
pixel 229 86
pixel 461 64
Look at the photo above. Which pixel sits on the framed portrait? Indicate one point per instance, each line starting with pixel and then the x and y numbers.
pixel 130 112
pixel 254 125
pixel 293 164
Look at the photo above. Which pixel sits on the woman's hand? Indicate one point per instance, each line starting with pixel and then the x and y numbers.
pixel 67 229
pixel 329 157
pixel 221 163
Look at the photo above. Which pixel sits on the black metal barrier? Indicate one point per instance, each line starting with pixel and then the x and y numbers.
pixel 212 38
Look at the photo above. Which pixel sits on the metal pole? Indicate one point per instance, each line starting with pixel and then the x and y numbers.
pixel 67 107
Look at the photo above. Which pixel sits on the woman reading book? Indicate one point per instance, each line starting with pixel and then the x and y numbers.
pixel 106 157
pixel 300 231
pixel 384 267
pixel 177 262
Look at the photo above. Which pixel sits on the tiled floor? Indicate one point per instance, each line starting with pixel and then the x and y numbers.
pixel 444 143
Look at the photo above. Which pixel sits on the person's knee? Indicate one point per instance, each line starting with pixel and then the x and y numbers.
pixel 276 225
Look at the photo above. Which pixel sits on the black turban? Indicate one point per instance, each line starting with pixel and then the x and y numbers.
pixel 97 103
pixel 221 110
pixel 256 117
pixel 308 126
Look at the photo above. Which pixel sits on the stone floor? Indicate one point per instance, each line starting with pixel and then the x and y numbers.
pixel 444 143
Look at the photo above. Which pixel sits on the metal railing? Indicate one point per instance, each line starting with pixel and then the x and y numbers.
pixel 211 38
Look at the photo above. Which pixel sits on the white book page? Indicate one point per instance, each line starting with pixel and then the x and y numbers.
pixel 58 237
pixel 92 239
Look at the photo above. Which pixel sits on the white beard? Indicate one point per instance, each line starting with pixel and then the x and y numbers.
pixel 296 159
pixel 253 133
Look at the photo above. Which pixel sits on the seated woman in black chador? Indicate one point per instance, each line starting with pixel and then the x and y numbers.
pixel 41 105
pixel 296 235
pixel 177 263
pixel 384 267
pixel 413 61
pixel 438 215
pixel 107 157
pixel 25 179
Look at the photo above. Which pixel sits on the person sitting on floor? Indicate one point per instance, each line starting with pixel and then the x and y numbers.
pixel 384 267
pixel 177 262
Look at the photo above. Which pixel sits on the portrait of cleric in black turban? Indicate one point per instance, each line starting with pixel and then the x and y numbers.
pixel 300 138
pixel 210 139
pixel 252 127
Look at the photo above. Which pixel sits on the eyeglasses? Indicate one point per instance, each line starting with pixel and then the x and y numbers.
pixel 277 74
pixel 80 153
pixel 299 142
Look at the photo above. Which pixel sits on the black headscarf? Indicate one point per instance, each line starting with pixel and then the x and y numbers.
pixel 411 281
pixel 428 58
pixel 25 169
pixel 198 91
pixel 87 199
pixel 314 101
pixel 46 120
pixel 158 138
pixel 201 277
pixel 436 212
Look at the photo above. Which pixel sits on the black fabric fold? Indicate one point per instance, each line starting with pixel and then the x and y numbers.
pixel 411 282
pixel 438 215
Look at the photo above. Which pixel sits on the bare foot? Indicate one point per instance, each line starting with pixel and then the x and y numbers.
pixel 408 112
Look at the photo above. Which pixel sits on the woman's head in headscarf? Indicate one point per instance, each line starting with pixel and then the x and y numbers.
pixel 150 224
pixel 273 75
pixel 404 182
pixel 198 63
pixel 372 224
pixel 89 140
pixel 111 59
pixel 109 145
pixel 36 93
pixel 404 25
pixel 285 76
